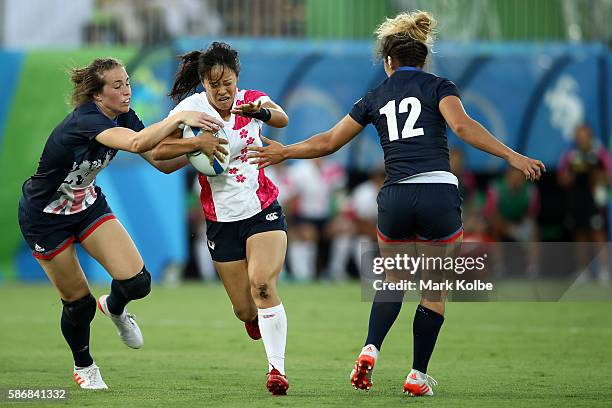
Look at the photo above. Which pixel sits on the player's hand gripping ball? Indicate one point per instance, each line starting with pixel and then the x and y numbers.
pixel 209 166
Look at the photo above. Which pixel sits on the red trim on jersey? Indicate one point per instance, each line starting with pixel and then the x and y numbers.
pixel 206 198
pixel 252 95
pixel 249 96
pixel 53 254
pixel 240 122
pixel 91 229
pixel 267 191
pixel 77 202
pixel 60 207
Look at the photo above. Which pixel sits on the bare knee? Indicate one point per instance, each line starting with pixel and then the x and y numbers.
pixel 260 290
pixel 74 290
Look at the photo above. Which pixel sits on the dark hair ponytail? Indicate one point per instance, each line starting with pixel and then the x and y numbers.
pixel 196 65
pixel 187 77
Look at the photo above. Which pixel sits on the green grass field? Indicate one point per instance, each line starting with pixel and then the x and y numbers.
pixel 197 354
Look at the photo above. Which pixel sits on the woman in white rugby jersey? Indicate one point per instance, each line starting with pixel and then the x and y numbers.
pixel 245 225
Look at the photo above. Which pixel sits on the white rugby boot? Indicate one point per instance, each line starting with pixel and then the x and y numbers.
pixel 361 376
pixel 419 384
pixel 89 378
pixel 126 325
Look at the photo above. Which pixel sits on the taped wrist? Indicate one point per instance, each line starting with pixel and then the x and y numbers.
pixel 264 115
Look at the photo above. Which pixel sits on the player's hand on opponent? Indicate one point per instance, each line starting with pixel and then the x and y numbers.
pixel 273 153
pixel 532 169
pixel 247 109
pixel 211 145
pixel 200 120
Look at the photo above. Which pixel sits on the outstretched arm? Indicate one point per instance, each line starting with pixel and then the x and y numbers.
pixel 473 133
pixel 321 144
pixel 166 166
pixel 278 118
pixel 139 142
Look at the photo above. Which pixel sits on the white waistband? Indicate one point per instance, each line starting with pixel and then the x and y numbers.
pixel 443 177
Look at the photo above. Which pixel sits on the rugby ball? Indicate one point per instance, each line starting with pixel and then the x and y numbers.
pixel 200 161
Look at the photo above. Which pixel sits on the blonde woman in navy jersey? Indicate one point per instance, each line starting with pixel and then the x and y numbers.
pixel 419 200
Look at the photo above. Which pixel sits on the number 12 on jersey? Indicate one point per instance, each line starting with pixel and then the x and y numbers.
pixel 409 130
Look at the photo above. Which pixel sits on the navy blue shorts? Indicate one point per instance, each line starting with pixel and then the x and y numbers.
pixel 49 234
pixel 419 212
pixel 227 240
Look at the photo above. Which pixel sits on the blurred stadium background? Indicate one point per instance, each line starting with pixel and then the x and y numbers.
pixel 529 71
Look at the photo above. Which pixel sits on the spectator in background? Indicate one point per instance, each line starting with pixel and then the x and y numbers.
pixel 355 225
pixel 584 171
pixel 511 208
pixel 150 22
pixel 314 184
pixel 473 222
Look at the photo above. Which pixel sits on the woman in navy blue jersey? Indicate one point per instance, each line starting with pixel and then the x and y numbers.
pixel 61 204
pixel 419 202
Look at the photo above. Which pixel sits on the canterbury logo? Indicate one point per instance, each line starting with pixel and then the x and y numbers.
pixel 272 216
pixel 268 316
pixel 211 244
pixel 38 248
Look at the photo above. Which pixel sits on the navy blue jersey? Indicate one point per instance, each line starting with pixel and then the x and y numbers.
pixel 64 182
pixel 404 110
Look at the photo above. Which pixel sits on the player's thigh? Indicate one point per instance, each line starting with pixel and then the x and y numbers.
pixel 393 250
pixel 266 255
pixel 235 279
pixel 435 255
pixel 66 274
pixel 111 245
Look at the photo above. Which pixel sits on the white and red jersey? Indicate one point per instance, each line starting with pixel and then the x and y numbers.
pixel 314 183
pixel 241 191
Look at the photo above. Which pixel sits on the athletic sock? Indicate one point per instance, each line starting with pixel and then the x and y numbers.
pixel 425 329
pixel 273 328
pixel 385 309
pixel 116 301
pixel 77 337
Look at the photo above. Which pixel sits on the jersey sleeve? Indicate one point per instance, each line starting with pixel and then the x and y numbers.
pixel 360 112
pixel 255 96
pixel 189 103
pixel 185 104
pixel 133 122
pixel 446 88
pixel 92 124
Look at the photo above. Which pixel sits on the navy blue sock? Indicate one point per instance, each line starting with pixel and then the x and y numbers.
pixel 125 290
pixel 116 301
pixel 76 317
pixel 425 329
pixel 385 309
